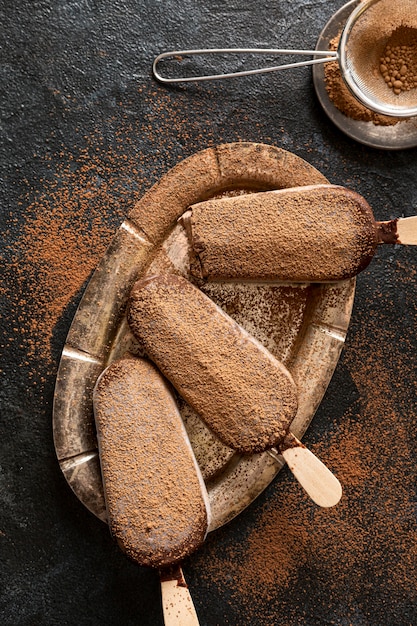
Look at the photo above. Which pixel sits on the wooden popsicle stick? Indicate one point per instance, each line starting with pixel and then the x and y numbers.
pixel 316 479
pixel 177 604
pixel 402 230
pixel 407 230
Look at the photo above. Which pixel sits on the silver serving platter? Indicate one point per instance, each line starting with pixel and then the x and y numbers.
pixel 396 137
pixel 304 325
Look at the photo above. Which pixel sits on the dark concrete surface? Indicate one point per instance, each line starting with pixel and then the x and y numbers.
pixel 72 68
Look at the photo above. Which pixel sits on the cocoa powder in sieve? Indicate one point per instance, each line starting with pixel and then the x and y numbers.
pixel 398 64
pixel 342 98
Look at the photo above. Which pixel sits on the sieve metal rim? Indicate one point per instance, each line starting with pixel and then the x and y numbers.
pixel 392 111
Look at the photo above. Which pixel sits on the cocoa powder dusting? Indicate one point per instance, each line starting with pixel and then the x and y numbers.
pixel 67 229
pixel 342 98
pixel 372 534
pixel 398 63
pixel 71 215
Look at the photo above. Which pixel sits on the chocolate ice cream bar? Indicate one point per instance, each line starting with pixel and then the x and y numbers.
pixel 156 500
pixel 244 394
pixel 305 234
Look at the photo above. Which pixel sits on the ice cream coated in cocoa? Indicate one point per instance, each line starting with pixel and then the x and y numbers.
pixel 315 233
pixel 157 504
pixel 242 392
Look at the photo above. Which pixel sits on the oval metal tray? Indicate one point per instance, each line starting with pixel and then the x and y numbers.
pixel 304 325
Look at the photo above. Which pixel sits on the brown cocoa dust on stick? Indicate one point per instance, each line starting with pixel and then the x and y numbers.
pixel 157 504
pixel 244 394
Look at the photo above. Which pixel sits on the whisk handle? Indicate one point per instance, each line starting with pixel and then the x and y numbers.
pixel 324 56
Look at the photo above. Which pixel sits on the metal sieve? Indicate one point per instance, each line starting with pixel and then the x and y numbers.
pixel 383 84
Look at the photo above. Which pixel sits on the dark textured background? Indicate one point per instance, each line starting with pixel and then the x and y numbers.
pixel 70 68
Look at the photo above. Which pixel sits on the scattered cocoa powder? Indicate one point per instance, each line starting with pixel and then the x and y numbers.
pixel 70 217
pixel 67 228
pixel 359 559
pixel 342 98
pixel 371 537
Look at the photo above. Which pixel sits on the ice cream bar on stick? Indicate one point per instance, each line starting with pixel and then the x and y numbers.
pixel 157 504
pixel 243 393
pixel 317 233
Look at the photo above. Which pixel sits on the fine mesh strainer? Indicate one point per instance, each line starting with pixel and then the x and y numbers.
pixel 370 26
